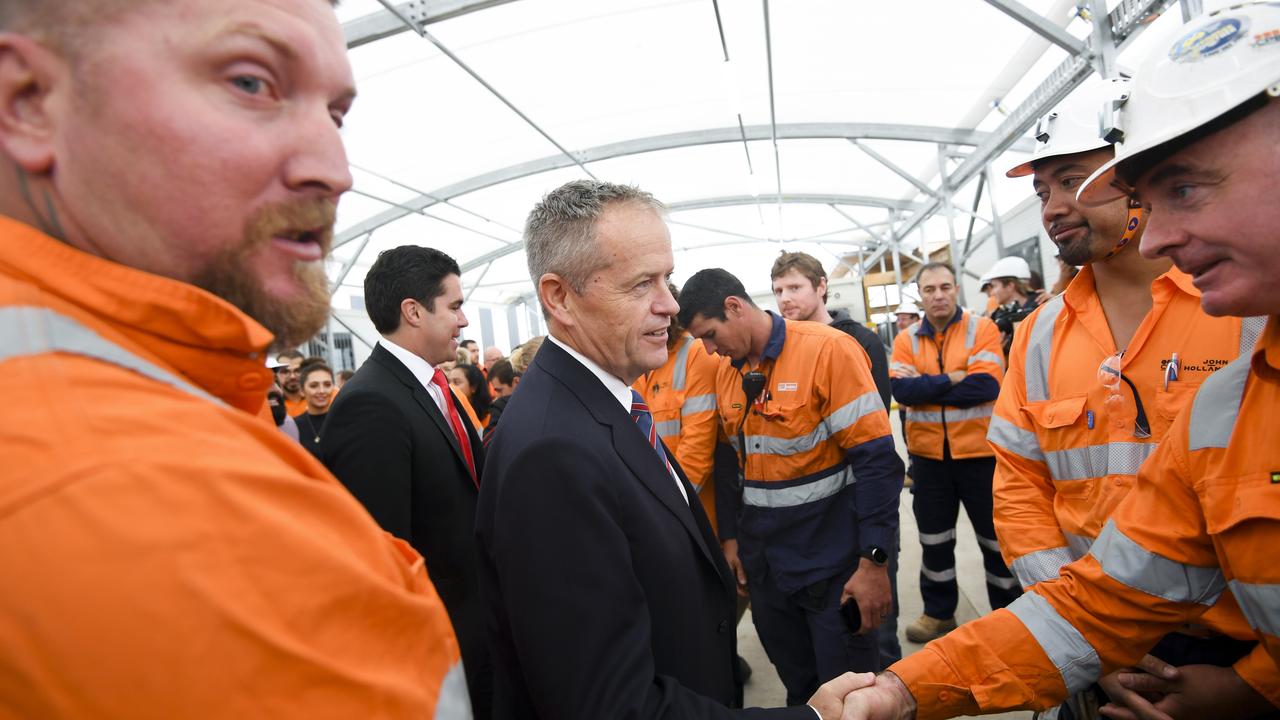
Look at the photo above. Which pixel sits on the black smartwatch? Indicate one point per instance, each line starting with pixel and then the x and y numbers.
pixel 876 555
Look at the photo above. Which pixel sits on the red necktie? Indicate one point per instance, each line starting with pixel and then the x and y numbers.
pixel 455 422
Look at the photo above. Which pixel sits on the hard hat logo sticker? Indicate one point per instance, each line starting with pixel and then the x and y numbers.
pixel 1269 37
pixel 1209 40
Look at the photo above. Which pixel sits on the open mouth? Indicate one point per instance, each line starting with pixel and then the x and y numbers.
pixel 307 244
pixel 658 334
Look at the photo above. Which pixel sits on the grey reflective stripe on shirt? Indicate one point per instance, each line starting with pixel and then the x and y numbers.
pixel 1217 404
pixel 1041 565
pixel 1016 440
pixel 679 377
pixel 971 332
pixel 1095 461
pixel 838 421
pixel 698 403
pixel 1127 562
pixel 953 414
pixel 763 495
pixel 988 356
pixel 1260 603
pixel 27 331
pixel 1250 329
pixel 668 428
pixel 915 339
pixel 1039 349
pixel 1070 653
pixel 1078 544
pixel 453 703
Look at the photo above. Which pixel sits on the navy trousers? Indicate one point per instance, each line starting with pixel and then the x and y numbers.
pixel 805 637
pixel 941 486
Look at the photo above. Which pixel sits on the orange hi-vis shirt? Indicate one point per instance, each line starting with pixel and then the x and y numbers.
pixel 1063 463
pixel 168 552
pixel 1197 531
pixel 970 343
pixel 681 396
pixel 821 478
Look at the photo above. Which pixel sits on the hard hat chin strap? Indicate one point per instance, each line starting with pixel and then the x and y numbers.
pixel 1130 228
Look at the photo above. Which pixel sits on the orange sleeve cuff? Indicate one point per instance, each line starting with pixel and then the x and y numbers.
pixel 937 690
pixel 1260 671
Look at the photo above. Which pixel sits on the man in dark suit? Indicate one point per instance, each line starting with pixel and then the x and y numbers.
pixel 605 591
pixel 397 438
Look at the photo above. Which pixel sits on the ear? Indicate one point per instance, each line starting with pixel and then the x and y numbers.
pixel 29 76
pixel 821 286
pixel 411 313
pixel 557 297
pixel 732 307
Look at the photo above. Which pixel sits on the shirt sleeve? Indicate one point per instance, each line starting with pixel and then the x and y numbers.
pixel 698 417
pixel 1027 527
pixel 856 417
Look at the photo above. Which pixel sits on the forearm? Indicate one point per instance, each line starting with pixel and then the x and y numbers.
pixel 974 389
pixel 879 472
pixel 922 390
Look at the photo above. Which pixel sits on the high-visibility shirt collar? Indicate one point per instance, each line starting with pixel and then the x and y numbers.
pixel 773 348
pixel 206 339
pixel 1083 291
pixel 1268 348
pixel 925 328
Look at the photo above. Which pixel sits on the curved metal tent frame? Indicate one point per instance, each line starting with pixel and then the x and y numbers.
pixel 975 150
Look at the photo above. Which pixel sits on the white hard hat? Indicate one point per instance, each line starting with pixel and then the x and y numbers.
pixel 1212 65
pixel 1011 266
pixel 1075 125
pixel 907 308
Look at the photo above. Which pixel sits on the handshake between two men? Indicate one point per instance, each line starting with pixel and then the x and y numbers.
pixel 864 696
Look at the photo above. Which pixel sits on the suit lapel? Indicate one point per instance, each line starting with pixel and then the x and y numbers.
pixel 424 400
pixel 630 444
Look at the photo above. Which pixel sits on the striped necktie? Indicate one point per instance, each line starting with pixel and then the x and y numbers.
pixel 644 421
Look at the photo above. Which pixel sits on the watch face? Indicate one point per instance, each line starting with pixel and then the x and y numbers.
pixel 877 555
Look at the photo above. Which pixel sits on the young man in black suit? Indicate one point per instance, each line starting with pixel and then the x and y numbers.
pixel 605 590
pixel 399 441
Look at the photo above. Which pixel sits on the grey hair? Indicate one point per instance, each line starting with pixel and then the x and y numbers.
pixel 560 233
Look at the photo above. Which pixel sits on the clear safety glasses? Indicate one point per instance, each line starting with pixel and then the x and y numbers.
pixel 1110 376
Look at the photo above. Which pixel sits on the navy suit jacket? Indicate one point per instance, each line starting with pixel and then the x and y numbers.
pixel 605 591
pixel 390 445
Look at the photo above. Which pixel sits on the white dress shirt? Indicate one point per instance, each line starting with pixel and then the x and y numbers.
pixel 422 370
pixel 618 389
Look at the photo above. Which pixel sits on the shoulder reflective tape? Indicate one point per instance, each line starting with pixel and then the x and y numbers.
pixel 1070 653
pixel 668 428
pixel 1250 329
pixel 1004 583
pixel 764 496
pixel 698 403
pixel 971 332
pixel 679 377
pixel 1260 603
pixel 1040 566
pixel 948 575
pixel 1128 562
pixel 851 412
pixel 454 703
pixel 1078 544
pixel 1095 461
pixel 1039 349
pixel 988 356
pixel 1216 405
pixel 915 339
pixel 943 537
pixel 1016 440
pixel 27 331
